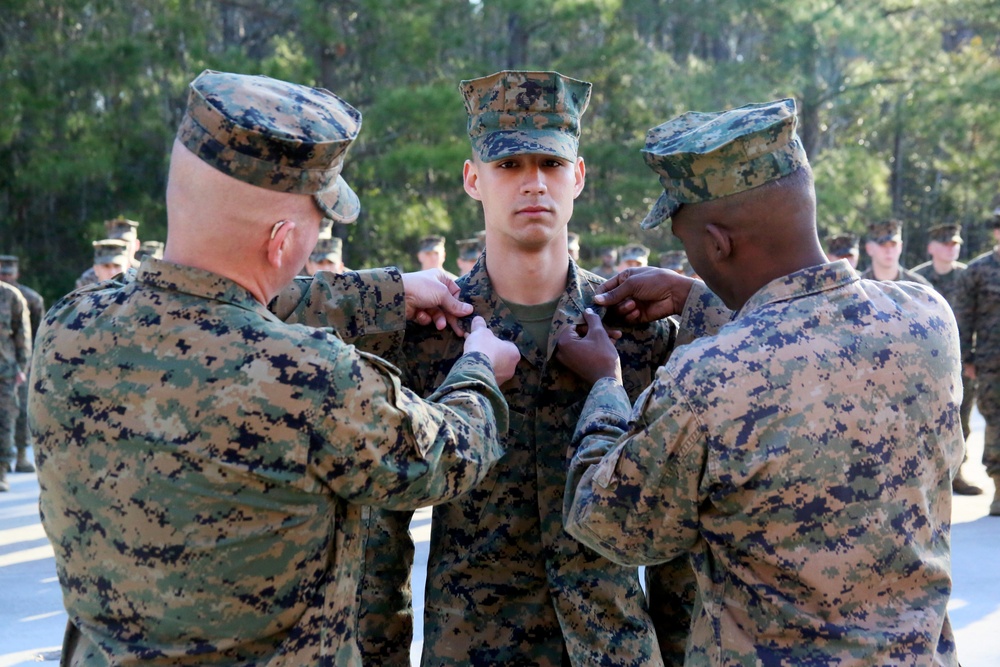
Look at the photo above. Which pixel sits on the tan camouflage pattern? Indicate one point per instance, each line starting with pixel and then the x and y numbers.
pixel 945 233
pixel 275 135
pixel 203 464
pixel 505 584
pixel 883 231
pixel 841 245
pixel 703 156
pixel 977 308
pixel 121 228
pixel 524 112
pixel 803 458
pixel 112 251
pixel 328 249
pixel 15 352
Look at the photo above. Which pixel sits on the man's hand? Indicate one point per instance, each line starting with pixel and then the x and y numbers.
pixel 592 356
pixel 645 294
pixel 431 296
pixel 503 354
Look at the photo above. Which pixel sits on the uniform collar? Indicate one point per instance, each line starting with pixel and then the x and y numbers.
pixel 811 280
pixel 197 282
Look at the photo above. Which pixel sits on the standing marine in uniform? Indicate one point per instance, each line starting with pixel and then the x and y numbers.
pixel 328 255
pixel 977 307
pixel 802 454
pixel 469 251
pixel 10 273
pixel 884 247
pixel 15 354
pixel 944 273
pixel 505 584
pixel 609 263
pixel 844 246
pixel 202 464
pixel 632 256
pixel 122 229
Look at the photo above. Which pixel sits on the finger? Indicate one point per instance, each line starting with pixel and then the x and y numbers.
pixel 615 334
pixel 611 283
pixel 478 323
pixel 456 325
pixel 452 306
pixel 440 321
pixel 422 318
pixel 593 321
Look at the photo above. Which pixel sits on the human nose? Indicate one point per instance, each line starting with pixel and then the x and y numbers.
pixel 534 180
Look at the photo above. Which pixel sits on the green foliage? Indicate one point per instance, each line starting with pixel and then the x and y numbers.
pixel 897 105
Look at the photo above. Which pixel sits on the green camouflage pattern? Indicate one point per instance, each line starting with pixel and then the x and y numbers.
pixel 841 245
pixel 152 249
pixel 121 228
pixel 522 112
pixel 977 309
pixel 15 352
pixel 702 156
pixel 505 584
pixel 328 249
pixel 948 286
pixel 36 311
pixel 275 135
pixel 112 251
pixel 815 506
pixel 203 464
pixel 883 231
pixel 945 233
pixel 634 251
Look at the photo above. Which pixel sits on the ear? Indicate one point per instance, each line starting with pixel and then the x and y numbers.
pixel 470 178
pixel 581 177
pixel 720 242
pixel 277 244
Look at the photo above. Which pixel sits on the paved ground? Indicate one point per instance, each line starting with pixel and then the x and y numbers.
pixel 32 618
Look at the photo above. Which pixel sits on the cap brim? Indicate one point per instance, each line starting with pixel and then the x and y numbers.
pixel 505 143
pixel 662 210
pixel 339 203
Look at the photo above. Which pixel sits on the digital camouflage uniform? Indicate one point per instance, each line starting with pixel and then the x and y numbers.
pixel 904 274
pixel 948 286
pixel 977 309
pixel 9 268
pixel 505 584
pixel 15 352
pixel 802 454
pixel 203 464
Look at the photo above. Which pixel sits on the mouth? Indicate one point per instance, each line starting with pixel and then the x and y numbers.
pixel 533 210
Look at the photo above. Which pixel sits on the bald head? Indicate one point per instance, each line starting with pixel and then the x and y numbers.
pixel 223 225
pixel 741 242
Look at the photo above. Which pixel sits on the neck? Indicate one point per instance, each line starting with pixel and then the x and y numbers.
pixel 942 267
pixel 885 274
pixel 527 277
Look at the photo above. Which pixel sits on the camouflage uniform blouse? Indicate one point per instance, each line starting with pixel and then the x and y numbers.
pixel 803 455
pixel 505 584
pixel 201 464
pixel 15 332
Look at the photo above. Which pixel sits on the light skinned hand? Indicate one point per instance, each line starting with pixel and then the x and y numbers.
pixel 592 356
pixel 432 297
pixel 645 294
pixel 503 354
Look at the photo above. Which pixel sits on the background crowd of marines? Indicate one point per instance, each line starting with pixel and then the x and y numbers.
pixel 555 600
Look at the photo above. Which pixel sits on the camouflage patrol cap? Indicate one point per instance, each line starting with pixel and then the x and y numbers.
pixel 326 228
pixel 273 134
pixel 111 251
pixel 521 112
pixel 329 249
pixel 947 233
pixel 673 260
pixel 841 245
pixel 8 265
pixel 884 231
pixel 470 249
pixel 431 243
pixel 704 156
pixel 121 228
pixel 152 249
pixel 634 251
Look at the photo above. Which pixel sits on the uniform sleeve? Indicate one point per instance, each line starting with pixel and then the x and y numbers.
pixel 21 326
pixel 380 444
pixel 632 491
pixel 355 304
pixel 703 315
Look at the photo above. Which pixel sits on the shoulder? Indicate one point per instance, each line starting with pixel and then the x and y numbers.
pixel 923 269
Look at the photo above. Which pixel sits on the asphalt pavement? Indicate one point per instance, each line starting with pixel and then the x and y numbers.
pixel 32 616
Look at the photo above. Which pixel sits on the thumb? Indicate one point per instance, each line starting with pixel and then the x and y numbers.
pixel 593 320
pixel 477 323
pixel 452 306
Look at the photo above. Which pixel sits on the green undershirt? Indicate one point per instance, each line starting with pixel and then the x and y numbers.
pixel 535 320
